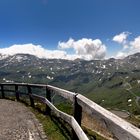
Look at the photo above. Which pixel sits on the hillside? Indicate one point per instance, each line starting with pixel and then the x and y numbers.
pixel 112 83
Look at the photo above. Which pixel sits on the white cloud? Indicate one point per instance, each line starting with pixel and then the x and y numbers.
pixel 87 49
pixel 126 47
pixel 121 38
pixel 121 55
pixel 36 50
pixel 64 45
pixel 135 44
pixel 129 49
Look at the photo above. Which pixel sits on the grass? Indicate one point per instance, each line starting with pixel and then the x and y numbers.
pixel 65 107
pixel 92 135
pixel 52 128
pixel 135 120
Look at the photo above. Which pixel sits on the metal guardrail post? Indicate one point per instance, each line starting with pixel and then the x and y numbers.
pixel 77 115
pixel 48 96
pixel 2 91
pixel 30 96
pixel 77 111
pixel 17 93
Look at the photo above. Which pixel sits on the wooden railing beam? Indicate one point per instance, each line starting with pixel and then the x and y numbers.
pixel 121 129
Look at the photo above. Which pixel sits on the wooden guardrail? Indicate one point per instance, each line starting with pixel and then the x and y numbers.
pixel 120 129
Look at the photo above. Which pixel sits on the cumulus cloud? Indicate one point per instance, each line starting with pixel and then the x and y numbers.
pixel 66 45
pixel 87 49
pixel 121 38
pixel 135 44
pixel 36 50
pixel 121 55
pixel 131 48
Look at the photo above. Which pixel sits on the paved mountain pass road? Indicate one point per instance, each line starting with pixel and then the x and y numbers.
pixel 17 122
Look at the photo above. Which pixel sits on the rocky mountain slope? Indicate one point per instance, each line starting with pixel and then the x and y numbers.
pixel 112 83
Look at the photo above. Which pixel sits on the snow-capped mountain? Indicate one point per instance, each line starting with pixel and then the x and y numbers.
pixel 3 56
pixel 99 70
pixel 57 71
pixel 100 80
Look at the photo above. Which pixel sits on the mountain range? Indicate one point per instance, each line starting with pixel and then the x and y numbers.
pixel 112 83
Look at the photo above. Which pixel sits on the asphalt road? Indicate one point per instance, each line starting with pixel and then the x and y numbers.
pixel 17 122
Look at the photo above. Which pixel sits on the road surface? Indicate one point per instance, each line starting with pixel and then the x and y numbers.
pixel 17 122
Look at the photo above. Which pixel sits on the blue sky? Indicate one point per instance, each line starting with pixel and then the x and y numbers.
pixel 47 22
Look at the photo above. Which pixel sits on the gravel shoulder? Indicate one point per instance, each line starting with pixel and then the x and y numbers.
pixel 17 122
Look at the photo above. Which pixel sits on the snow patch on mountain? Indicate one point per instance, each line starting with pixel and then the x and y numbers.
pixel 3 56
pixel 49 77
pixel 138 81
